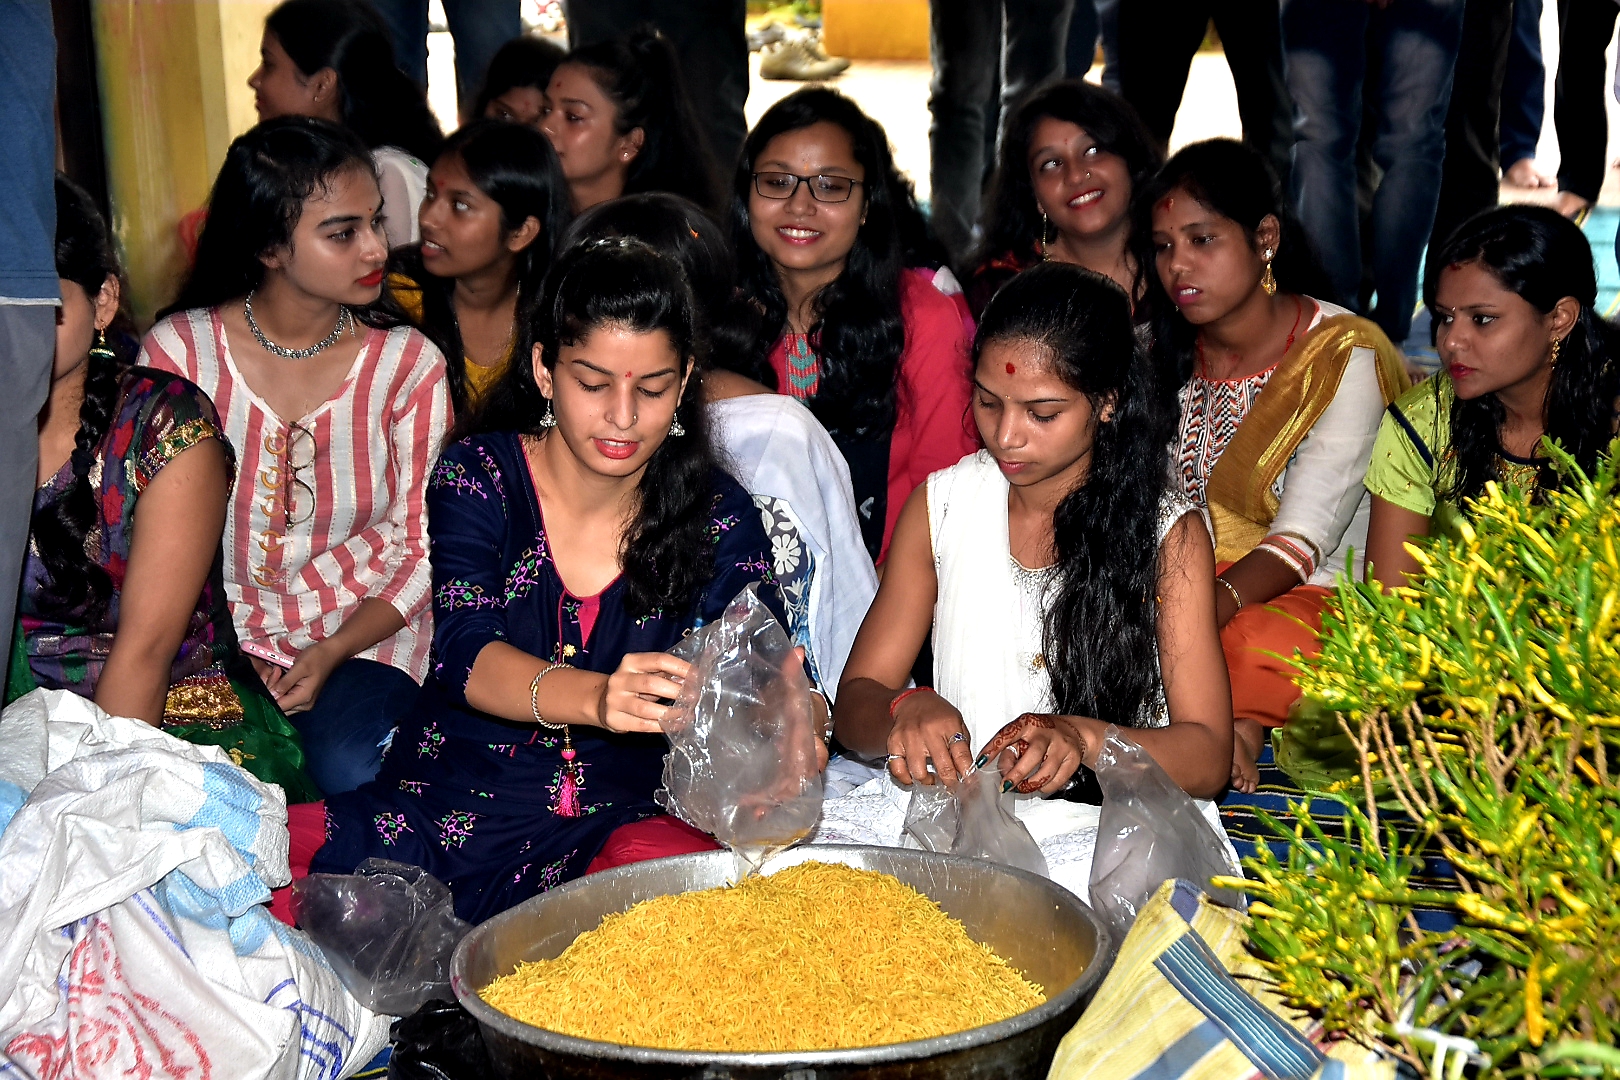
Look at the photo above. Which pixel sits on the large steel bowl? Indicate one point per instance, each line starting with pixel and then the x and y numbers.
pixel 1040 928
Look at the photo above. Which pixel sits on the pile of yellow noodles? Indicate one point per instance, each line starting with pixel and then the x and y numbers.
pixel 814 957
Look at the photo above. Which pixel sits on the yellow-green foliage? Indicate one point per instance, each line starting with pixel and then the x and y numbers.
pixel 1485 700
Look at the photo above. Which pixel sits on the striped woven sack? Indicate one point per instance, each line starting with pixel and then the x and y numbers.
pixel 1175 1007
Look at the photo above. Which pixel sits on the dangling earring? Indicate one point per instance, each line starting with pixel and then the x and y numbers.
pixel 1045 253
pixel 101 350
pixel 1267 281
pixel 675 427
pixel 1558 343
pixel 548 419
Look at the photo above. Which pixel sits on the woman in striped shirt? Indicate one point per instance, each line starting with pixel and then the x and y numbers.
pixel 336 417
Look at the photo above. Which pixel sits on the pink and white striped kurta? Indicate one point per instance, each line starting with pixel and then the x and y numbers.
pixel 296 567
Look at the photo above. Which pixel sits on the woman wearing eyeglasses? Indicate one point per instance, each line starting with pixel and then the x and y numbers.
pixel 336 415
pixel 876 350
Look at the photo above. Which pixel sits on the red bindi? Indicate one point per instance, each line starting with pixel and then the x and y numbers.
pixel 1011 370
pixel 1166 203
pixel 627 375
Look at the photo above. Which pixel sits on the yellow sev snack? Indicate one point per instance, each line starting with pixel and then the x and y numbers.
pixel 815 957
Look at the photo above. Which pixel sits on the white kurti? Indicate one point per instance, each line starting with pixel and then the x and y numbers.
pixel 988 622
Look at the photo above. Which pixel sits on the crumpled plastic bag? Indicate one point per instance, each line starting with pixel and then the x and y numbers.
pixel 439 1041
pixel 1149 832
pixel 742 764
pixel 976 819
pixel 389 930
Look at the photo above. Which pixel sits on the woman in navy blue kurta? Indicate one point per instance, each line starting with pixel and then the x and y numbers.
pixel 471 796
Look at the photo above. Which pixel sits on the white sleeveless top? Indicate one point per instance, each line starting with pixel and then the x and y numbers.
pixel 990 611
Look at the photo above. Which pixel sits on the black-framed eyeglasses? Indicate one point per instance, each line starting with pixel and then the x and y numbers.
pixel 296 454
pixel 824 189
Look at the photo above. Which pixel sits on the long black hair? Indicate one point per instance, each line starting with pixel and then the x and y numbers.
pixel 1012 220
pixel 1230 179
pixel 378 102
pixel 257 201
pixel 1543 257
pixel 858 327
pixel 665 553
pixel 526 60
pixel 84 256
pixel 517 168
pixel 1102 620
pixel 641 75
pixel 677 228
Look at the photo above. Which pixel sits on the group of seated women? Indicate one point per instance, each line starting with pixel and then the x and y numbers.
pixel 413 526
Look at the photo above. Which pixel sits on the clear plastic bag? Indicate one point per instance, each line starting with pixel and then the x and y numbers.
pixel 976 819
pixel 1149 832
pixel 388 929
pixel 742 764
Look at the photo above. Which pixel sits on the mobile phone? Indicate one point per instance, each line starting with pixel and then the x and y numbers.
pixel 253 648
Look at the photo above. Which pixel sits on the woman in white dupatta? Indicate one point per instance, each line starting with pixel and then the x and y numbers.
pixel 1066 588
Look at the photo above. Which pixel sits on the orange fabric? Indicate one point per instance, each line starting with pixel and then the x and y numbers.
pixel 651 838
pixel 1263 687
pixel 306 828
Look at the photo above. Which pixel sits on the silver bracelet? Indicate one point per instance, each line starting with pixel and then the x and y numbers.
pixel 1236 598
pixel 534 697
pixel 827 732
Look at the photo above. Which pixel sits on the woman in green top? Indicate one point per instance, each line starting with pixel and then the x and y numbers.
pixel 1524 354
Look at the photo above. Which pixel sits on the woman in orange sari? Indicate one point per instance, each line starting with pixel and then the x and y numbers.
pixel 1280 397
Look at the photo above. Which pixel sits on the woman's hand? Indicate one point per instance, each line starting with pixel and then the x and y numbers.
pixel 927 728
pixel 297 688
pixel 1049 749
pixel 631 699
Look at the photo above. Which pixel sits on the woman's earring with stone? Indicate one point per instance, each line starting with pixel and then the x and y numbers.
pixel 675 427
pixel 1045 224
pixel 1267 281
pixel 548 419
pixel 102 351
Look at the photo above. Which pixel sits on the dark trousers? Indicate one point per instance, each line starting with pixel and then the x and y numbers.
pixel 709 38
pixel 349 726
pixel 1157 40
pixel 1581 92
pixel 1470 177
pixel 1094 22
pixel 479 27
pixel 1028 39
pixel 27 346
pixel 1524 89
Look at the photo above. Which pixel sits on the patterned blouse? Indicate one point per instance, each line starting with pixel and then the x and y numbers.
pixel 474 798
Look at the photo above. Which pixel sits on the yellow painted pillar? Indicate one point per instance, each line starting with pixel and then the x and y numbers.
pixel 173 95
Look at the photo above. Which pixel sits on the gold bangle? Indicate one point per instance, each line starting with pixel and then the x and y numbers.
pixel 1236 598
pixel 534 697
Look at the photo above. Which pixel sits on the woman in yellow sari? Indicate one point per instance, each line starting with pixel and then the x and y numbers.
pixel 1280 397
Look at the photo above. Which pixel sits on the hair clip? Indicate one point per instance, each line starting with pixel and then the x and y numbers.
pixel 694 233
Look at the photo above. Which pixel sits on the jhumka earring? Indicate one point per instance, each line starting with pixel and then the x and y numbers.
pixel 101 350
pixel 675 427
pixel 1267 281
pixel 548 419
pixel 1045 254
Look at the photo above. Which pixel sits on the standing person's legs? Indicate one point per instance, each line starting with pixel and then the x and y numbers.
pixel 1470 176
pixel 1420 40
pixel 965 52
pixel 408 27
pixel 1108 35
pixel 345 732
pixel 1524 89
pixel 1579 97
pixel 1035 36
pixel 27 348
pixel 1327 58
pixel 1157 40
pixel 1251 34
pixel 480 28
pixel 1081 51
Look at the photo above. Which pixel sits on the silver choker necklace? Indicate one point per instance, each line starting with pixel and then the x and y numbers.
pixel 345 319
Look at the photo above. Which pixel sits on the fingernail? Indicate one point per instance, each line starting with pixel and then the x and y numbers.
pixel 1006 786
pixel 984 759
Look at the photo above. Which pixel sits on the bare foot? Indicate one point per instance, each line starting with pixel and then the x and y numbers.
pixel 1523 173
pixel 1247 740
pixel 1572 206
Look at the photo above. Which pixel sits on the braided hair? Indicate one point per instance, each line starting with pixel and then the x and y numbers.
pixel 84 258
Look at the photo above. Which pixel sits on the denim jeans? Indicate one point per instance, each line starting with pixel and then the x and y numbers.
pixel 1413 46
pixel 1524 89
pixel 348 728
pixel 479 28
pixel 1032 40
